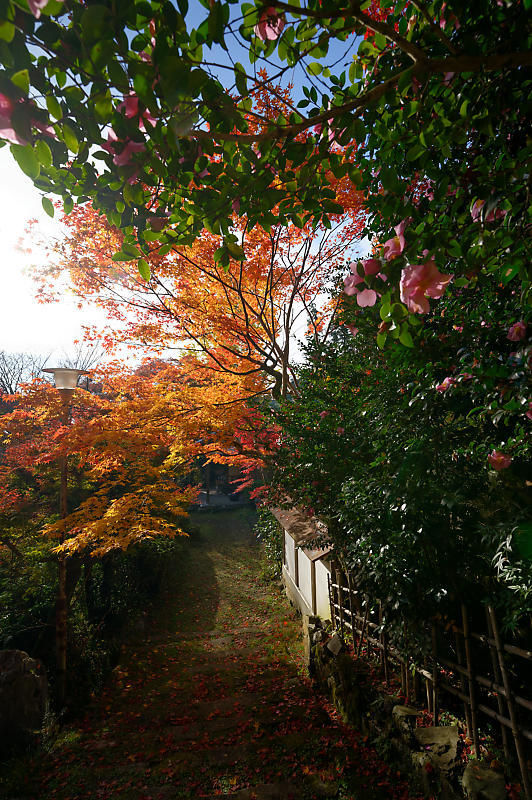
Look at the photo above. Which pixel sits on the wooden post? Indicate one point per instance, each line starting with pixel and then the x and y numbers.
pixel 331 600
pixel 313 585
pixel 407 676
pixel 385 650
pixel 415 686
pixel 467 710
pixel 340 601
pixel 381 653
pixel 471 680
pixel 350 595
pixel 429 695
pixel 435 704
pixel 521 755
pixel 362 631
pixel 497 678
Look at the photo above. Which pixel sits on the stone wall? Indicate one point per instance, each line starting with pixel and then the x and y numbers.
pixel 429 754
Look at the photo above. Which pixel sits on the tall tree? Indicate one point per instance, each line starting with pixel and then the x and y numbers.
pixel 18 368
pixel 241 319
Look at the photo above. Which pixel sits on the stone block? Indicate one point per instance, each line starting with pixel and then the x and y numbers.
pixel 404 719
pixel 23 698
pixel 440 744
pixel 335 644
pixel 480 782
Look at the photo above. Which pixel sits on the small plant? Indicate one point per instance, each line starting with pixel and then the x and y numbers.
pixel 270 534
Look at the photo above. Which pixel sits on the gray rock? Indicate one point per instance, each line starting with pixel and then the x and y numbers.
pixel 440 744
pixel 335 644
pixel 404 718
pixel 317 637
pixel 480 782
pixel 23 698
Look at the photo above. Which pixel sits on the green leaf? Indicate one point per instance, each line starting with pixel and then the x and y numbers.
pixel 381 340
pixel 315 68
pixel 103 106
pixel 117 75
pixel 122 256
pixel 27 160
pixel 509 273
pixel 384 310
pixel 414 152
pixel 43 153
pixel 70 138
pixel 296 219
pixel 216 22
pixel 235 250
pixel 21 79
pixel 96 23
pixel 144 269
pixel 54 109
pixel 405 338
pixel 523 540
pixel 7 30
pixel 240 79
pixel 48 206
pixel 380 41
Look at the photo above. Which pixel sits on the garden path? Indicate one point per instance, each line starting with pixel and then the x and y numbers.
pixel 211 700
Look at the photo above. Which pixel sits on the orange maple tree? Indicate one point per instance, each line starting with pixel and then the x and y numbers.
pixel 239 318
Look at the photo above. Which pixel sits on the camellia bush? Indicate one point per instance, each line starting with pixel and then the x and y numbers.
pixel 417 460
pixel 143 108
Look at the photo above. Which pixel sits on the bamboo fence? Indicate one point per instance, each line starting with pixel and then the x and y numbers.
pixel 458 666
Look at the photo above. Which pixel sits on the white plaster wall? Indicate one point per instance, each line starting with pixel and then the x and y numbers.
pixel 305 585
pixel 322 591
pixel 290 560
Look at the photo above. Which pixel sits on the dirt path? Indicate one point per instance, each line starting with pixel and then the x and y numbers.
pixel 212 701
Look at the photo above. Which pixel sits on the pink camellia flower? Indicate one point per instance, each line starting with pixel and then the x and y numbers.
pixel 528 414
pixel 7 131
pixel 36 6
pixel 476 208
pixel 372 266
pixel 445 384
pixel 130 107
pixel 420 281
pixel 395 246
pixel 499 460
pixel 120 159
pixel 324 414
pixel 124 157
pixel 517 331
pixel 340 431
pixel 270 25
pixel 491 216
pixel 235 206
pixel 353 330
pixel 367 297
pixel 351 281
